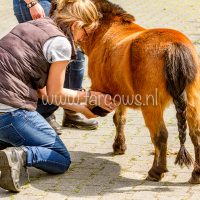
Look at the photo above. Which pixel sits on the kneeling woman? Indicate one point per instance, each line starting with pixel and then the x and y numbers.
pixel 33 60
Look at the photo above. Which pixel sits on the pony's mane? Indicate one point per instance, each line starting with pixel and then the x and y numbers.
pixel 109 10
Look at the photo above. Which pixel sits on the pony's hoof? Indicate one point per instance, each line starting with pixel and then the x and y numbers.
pixel 194 180
pixel 154 179
pixel 154 176
pixel 119 149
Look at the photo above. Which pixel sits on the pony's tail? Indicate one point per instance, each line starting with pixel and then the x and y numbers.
pixel 180 70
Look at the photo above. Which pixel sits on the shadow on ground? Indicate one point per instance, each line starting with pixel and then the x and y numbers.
pixel 91 174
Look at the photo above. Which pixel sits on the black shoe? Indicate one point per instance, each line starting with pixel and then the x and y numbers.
pixel 54 124
pixel 73 119
pixel 13 168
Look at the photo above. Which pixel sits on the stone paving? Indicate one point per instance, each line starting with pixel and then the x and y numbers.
pixel 95 173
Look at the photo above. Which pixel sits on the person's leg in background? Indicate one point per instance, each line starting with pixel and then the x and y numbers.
pixel 22 13
pixel 74 80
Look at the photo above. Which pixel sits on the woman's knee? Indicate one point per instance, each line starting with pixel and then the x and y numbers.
pixel 65 166
pixel 67 158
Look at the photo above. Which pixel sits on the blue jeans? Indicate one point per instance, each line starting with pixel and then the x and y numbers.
pixel 75 71
pixel 29 129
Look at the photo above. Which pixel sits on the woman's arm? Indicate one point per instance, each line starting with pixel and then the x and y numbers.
pixel 55 85
pixel 55 93
pixel 36 11
pixel 71 106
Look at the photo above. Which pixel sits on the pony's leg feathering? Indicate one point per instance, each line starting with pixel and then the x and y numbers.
pixel 119 118
pixel 153 116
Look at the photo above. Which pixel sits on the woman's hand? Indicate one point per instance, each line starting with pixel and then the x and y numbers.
pixel 102 100
pixel 85 111
pixel 80 108
pixel 37 11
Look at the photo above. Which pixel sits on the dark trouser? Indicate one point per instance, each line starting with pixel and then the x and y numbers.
pixel 75 71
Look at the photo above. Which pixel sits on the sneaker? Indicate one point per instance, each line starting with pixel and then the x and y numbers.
pixel 13 168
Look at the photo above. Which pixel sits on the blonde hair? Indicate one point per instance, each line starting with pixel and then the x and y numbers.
pixel 83 12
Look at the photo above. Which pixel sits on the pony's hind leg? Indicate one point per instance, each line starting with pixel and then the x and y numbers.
pixel 119 118
pixel 193 119
pixel 153 116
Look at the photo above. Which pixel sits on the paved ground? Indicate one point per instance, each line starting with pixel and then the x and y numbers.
pixel 95 173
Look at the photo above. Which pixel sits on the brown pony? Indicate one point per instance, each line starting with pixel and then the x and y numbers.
pixel 130 61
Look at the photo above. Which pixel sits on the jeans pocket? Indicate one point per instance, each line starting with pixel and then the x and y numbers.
pixel 10 135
